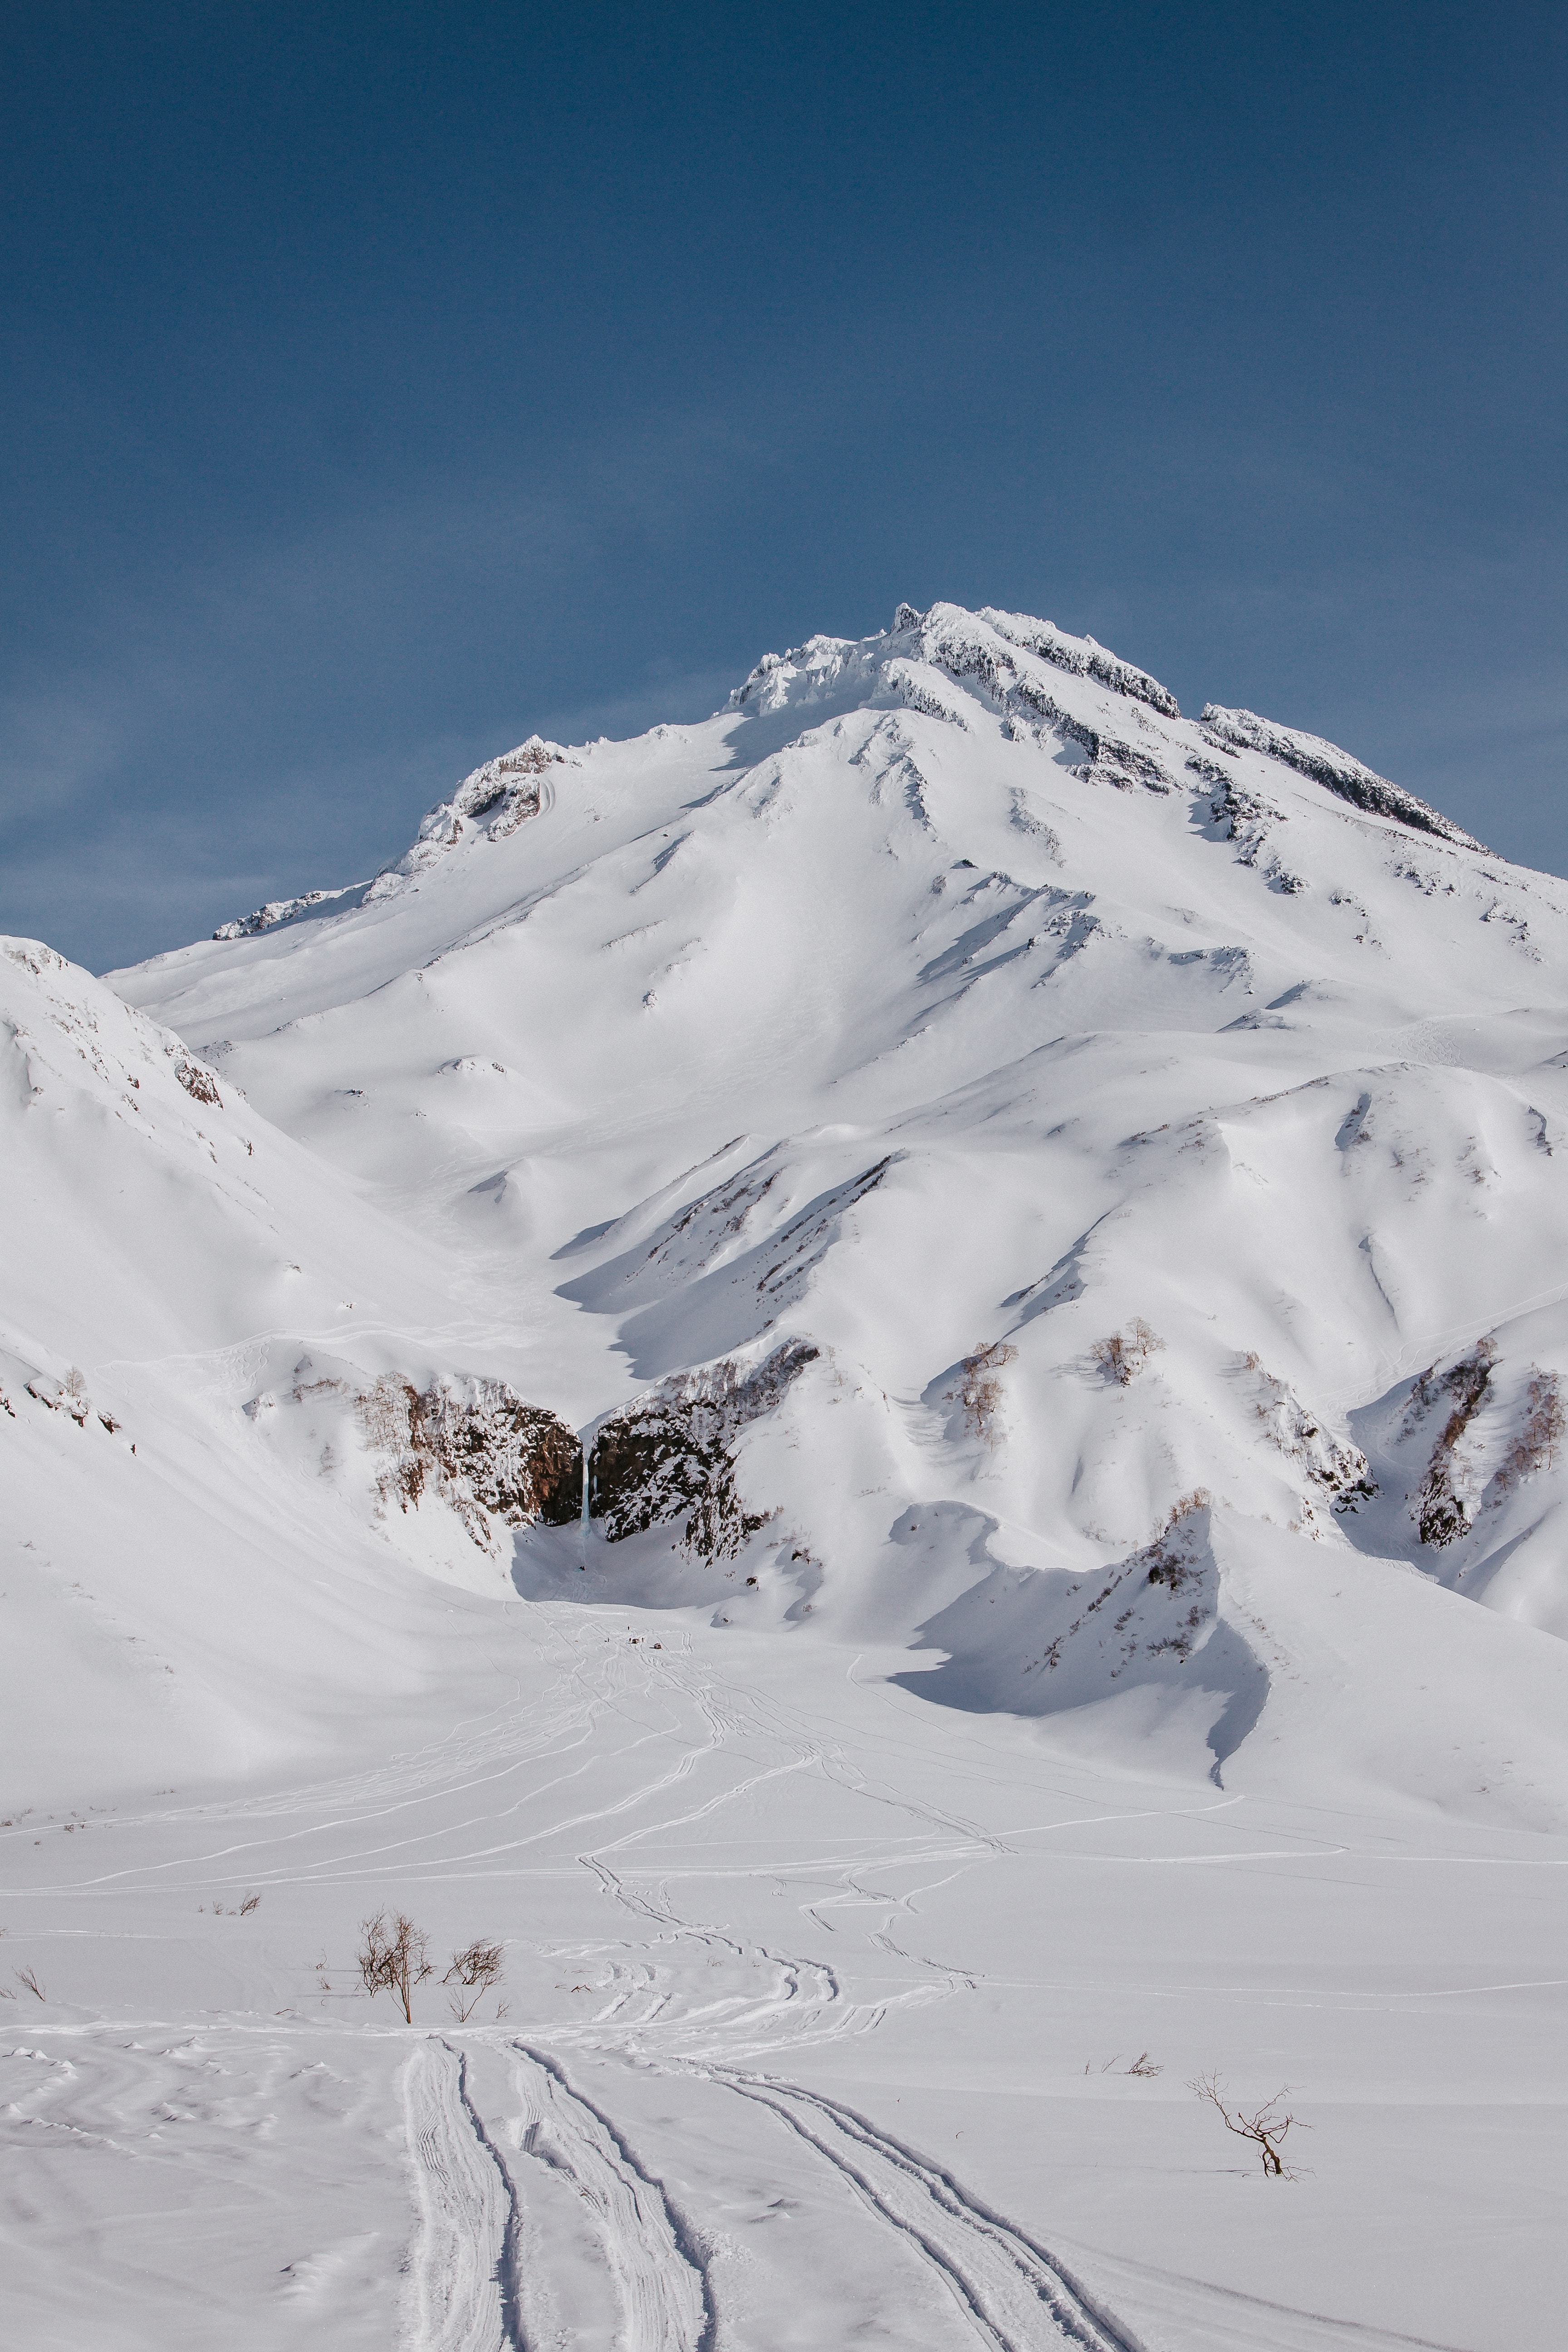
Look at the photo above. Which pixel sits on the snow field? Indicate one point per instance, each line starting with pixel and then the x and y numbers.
pixel 816 2014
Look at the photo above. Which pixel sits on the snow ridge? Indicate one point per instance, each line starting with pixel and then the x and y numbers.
pixel 1310 755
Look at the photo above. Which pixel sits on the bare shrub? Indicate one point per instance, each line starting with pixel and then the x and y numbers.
pixel 27 1978
pixel 248 1905
pixel 1123 1354
pixel 392 1959
pixel 472 1973
pixel 1144 2065
pixel 197 1083
pixel 980 1391
pixel 1265 2127
pixel 74 1385
pixel 1442 1511
pixel 1536 1446
pixel 1185 1507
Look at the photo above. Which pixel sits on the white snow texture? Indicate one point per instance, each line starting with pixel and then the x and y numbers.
pixel 1046 1219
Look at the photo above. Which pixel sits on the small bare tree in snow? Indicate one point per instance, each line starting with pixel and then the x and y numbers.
pixel 980 1391
pixel 392 1959
pixel 1265 2127
pixel 1123 1356
pixel 472 1973
pixel 1536 1446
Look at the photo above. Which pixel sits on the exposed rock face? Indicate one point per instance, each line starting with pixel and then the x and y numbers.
pixel 670 1455
pixel 1445 1506
pixel 199 1084
pixel 494 799
pixel 949 639
pixel 1338 1470
pixel 1049 1641
pixel 1310 755
pixel 277 910
pixel 487 1452
pixel 1082 657
pixel 507 790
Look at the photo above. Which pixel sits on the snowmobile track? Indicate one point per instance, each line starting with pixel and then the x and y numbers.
pixel 660 2273
pixel 464 2261
pixel 1014 2296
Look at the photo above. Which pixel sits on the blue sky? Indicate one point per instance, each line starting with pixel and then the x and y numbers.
pixel 381 385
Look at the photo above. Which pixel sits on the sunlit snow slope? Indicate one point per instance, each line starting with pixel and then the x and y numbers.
pixel 179 1590
pixel 949 1000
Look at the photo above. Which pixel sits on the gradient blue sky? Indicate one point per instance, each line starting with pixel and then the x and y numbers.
pixel 382 383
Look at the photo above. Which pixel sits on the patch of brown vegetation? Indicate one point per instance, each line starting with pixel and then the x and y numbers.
pixel 1123 1354
pixel 979 1391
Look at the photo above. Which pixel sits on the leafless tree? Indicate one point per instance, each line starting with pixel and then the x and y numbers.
pixel 392 1957
pixel 248 1905
pixel 1538 1440
pixel 980 1391
pixel 1265 2127
pixel 28 1978
pixel 472 1973
pixel 1123 1356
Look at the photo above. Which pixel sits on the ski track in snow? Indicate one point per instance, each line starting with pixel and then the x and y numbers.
pixel 659 2271
pixel 461 2266
pixel 1006 2289
pixel 1014 2296
pixel 469 2293
pixel 480 2268
pixel 470 2290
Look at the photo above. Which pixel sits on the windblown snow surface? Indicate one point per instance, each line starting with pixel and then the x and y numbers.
pixel 1047 1221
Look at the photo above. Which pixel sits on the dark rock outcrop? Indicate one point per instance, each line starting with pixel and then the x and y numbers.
pixel 1310 755
pixel 671 1457
pixel 484 1449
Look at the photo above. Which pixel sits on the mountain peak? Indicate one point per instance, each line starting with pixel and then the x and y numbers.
pixel 998 649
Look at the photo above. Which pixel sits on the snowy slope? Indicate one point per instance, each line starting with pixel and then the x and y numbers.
pixel 1043 1221
pixel 182 1587
pixel 947 994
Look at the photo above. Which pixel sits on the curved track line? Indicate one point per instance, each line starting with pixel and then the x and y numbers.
pixel 1015 2296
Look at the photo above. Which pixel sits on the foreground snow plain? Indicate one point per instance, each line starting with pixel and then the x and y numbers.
pixel 1080 1190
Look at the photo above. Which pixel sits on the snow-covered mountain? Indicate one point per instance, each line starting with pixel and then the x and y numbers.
pixel 946 1165
pixel 953 1012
